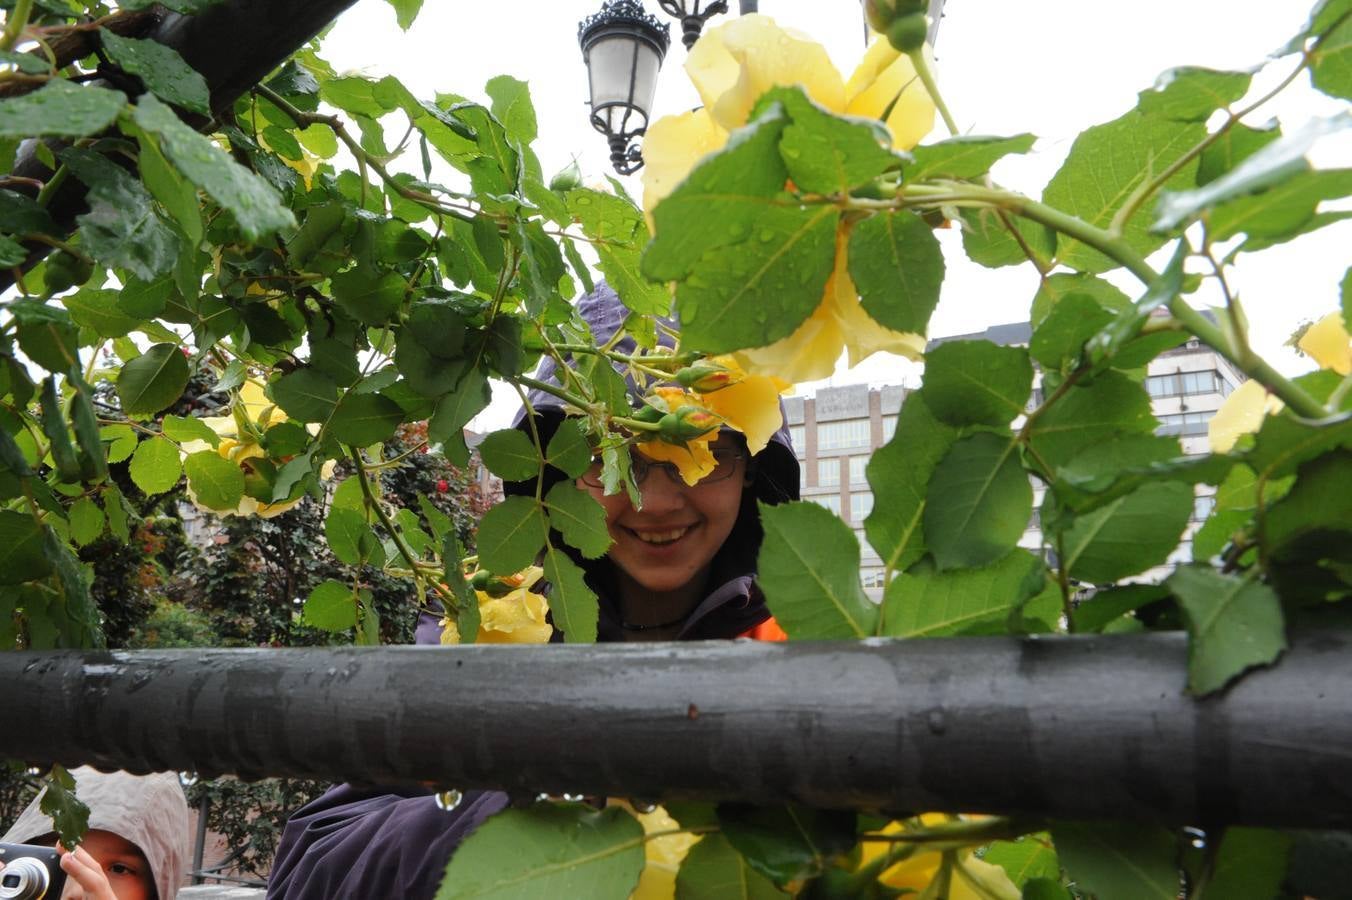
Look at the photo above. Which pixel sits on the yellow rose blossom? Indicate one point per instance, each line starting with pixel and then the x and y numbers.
pixel 1328 344
pixel 750 404
pixel 1241 413
pixel 918 870
pixel 517 618
pixel 731 66
pixel 662 856
pixel 693 459
pixel 239 448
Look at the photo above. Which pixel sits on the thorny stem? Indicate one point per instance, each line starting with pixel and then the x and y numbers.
pixel 961 831
pixel 1118 249
pixel 534 436
pixel 400 544
pixel 15 24
pixel 922 68
pixel 553 390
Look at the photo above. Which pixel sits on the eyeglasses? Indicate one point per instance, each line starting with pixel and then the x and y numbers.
pixel 725 464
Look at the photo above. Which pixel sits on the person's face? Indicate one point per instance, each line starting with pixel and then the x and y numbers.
pixel 123 865
pixel 669 544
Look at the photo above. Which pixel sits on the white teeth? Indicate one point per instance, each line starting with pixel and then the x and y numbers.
pixel 660 537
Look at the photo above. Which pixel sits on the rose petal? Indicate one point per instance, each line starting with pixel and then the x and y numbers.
pixel 693 460
pixel 1328 344
pixel 1241 413
pixel 671 148
pixel 736 62
pixel 880 77
pixel 810 353
pixel 752 407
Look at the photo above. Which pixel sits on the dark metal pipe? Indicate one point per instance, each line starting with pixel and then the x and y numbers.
pixel 1075 727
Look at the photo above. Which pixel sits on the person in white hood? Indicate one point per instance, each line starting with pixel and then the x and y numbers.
pixel 137 845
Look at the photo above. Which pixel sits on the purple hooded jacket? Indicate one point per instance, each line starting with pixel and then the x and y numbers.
pixel 365 843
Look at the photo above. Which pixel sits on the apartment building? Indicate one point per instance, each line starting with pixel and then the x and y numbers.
pixel 835 431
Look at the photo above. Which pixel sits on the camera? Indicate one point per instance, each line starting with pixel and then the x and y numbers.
pixel 30 873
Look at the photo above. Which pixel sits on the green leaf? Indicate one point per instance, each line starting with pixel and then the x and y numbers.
pixel 1307 532
pixel 1331 63
pixel 1129 535
pixel 58 437
pixel 980 502
pixel 1229 150
pixel 368 294
pixel 548 851
pixel 98 311
pixel 572 605
pixel 1059 340
pixel 1233 624
pixel 1107 163
pixel 21 554
pixel 26 63
pixel 20 214
pixel 755 293
pixel 331 607
pixel 569 450
pixel 809 570
pixel 1025 859
pixel 12 253
pixel 713 868
pixel 1284 443
pixel 86 521
pixel 512 106
pixel 115 508
pixel 923 602
pixel 579 518
pixel 510 455
pixel 1119 861
pixel 1060 285
pixel 1282 209
pixel 152 381
pixel 454 412
pixel 145 300
pixel 1107 608
pixel 1086 416
pixel 1266 168
pixel 897 266
pixel 183 429
pixel 511 534
pixel 306 395
pixel 721 201
pixel 69 815
pixel 155 467
pixel 987 239
pixel 365 419
pixel 966 156
pixel 900 471
pixel 161 70
pixel 541 267
pixel 346 530
pixel 977 382
pixel 825 153
pixel 1192 94
pixel 257 207
pixel 787 843
pixel 216 482
pixel 123 227
pixel 80 628
pixel 1250 865
pixel 60 108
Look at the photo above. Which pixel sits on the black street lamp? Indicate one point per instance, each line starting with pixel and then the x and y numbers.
pixel 623 47
pixel 692 16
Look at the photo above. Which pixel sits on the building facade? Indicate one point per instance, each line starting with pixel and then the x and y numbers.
pixel 837 429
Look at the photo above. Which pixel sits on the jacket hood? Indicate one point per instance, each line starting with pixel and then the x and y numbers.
pixel 777 471
pixel 148 810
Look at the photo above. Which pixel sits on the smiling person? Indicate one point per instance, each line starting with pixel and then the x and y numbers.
pixel 137 844
pixel 682 566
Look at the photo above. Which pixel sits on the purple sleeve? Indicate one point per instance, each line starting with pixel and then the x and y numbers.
pixel 358 844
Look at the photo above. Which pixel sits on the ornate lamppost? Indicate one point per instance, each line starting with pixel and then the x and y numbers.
pixel 692 15
pixel 623 47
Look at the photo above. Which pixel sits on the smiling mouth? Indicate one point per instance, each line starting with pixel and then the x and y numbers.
pixel 661 538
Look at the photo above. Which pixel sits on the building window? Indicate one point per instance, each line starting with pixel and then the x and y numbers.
pixel 1209 382
pixel 798 438
pixel 857 466
pixel 1191 423
pixel 839 435
pixel 860 506
pixel 873 577
pixel 828 472
pixel 830 501
pixel 889 427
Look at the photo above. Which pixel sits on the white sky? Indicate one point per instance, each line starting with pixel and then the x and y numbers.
pixel 1051 67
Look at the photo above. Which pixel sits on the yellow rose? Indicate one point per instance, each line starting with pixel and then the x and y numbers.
pixel 1242 413
pixel 1328 344
pixel 519 617
pixel 748 403
pixel 731 66
pixel 239 448
pixel 973 879
pixel 662 856
pixel 693 459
